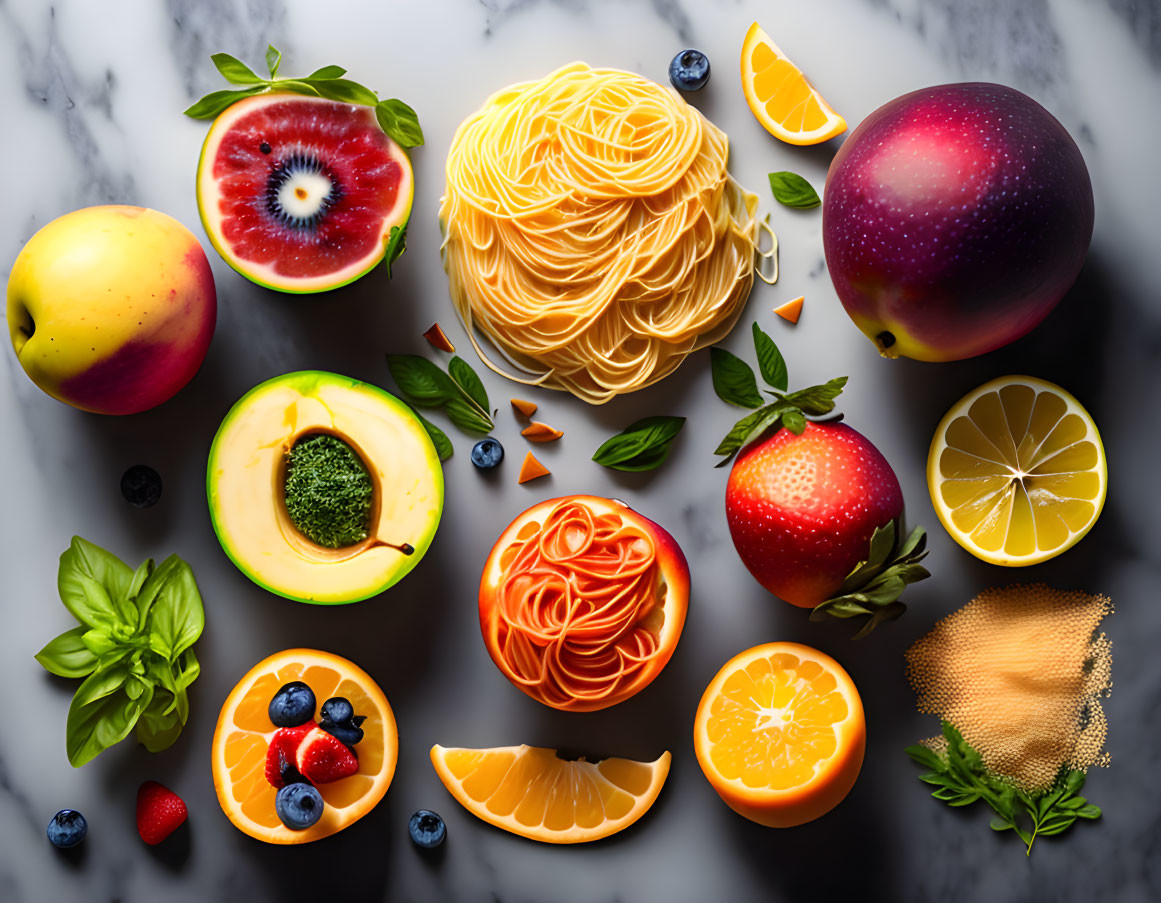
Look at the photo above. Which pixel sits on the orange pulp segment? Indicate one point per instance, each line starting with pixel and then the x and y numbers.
pixel 781 98
pixel 780 734
pixel 531 791
pixel 243 736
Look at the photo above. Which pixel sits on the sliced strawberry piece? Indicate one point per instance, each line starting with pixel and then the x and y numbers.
pixel 323 758
pixel 160 812
pixel 283 751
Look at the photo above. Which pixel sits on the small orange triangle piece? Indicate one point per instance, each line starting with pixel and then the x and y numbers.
pixel 438 338
pixel 540 432
pixel 531 469
pixel 520 406
pixel 791 310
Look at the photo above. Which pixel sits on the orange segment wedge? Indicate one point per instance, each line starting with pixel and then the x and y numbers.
pixel 1017 471
pixel 781 98
pixel 780 734
pixel 530 791
pixel 244 731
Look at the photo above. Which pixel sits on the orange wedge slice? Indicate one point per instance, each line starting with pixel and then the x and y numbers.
pixel 791 310
pixel 243 736
pixel 1017 471
pixel 523 408
pixel 531 791
pixel 540 432
pixel 781 98
pixel 531 469
pixel 780 734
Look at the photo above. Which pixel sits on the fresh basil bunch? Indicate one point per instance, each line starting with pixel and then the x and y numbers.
pixel 133 646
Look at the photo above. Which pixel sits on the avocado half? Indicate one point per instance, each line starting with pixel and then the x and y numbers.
pixel 247 487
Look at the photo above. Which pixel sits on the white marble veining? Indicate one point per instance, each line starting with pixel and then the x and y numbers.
pixel 91 97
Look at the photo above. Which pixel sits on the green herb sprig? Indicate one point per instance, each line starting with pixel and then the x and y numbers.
pixel 643 445
pixel 961 778
pixel 133 646
pixel 734 382
pixel 395 117
pixel 791 190
pixel 459 393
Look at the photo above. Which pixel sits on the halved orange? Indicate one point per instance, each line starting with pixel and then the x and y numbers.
pixel 244 731
pixel 781 98
pixel 531 791
pixel 1017 471
pixel 780 734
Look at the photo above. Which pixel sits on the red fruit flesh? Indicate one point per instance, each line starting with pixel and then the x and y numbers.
pixel 283 751
pixel 955 218
pixel 801 509
pixel 160 812
pixel 322 758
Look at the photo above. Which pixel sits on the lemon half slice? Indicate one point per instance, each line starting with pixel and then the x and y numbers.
pixel 1017 471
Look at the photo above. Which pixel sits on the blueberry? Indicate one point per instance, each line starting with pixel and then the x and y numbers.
pixel 292 705
pixel 67 828
pixel 337 710
pixel 298 806
pixel 487 453
pixel 689 71
pixel 141 486
pixel 344 733
pixel 427 829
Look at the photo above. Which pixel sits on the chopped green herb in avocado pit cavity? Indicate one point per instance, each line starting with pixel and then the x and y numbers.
pixel 328 491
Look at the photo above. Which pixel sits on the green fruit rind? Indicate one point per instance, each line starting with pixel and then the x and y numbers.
pixel 306 381
pixel 401 220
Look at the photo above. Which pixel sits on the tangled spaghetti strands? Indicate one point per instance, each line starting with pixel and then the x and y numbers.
pixel 580 609
pixel 592 233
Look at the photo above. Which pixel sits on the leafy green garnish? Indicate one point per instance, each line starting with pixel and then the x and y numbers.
pixel 873 586
pixel 134 647
pixel 459 392
pixel 643 445
pixel 328 492
pixel 961 778
pixel 396 245
pixel 734 382
pixel 395 117
pixel 791 190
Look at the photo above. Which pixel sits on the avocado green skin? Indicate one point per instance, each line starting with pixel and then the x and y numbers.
pixel 289 290
pixel 302 379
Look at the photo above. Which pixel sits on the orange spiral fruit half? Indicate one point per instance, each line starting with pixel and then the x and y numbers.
pixel 243 735
pixel 582 601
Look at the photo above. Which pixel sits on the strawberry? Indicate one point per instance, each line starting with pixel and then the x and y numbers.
pixel 323 758
pixel 802 508
pixel 283 751
pixel 160 812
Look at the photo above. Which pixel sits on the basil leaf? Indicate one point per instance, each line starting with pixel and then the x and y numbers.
pixel 177 617
pixel 139 577
pixel 642 445
pixel 67 655
pixel 234 70
pixel 749 425
pixel 466 417
pixel 791 190
pixel 98 642
pixel 770 360
pixel 187 670
pixel 328 72
pixel 469 382
pixel 794 421
pixel 439 439
pixel 158 729
pixel 297 86
pixel 734 381
pixel 152 586
pixel 345 90
pixel 89 579
pixel 421 380
pixel 217 101
pixel 400 123
pixel 273 59
pixel 817 400
pixel 94 726
pixel 396 245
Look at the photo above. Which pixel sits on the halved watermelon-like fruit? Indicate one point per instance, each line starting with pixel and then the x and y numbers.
pixel 300 194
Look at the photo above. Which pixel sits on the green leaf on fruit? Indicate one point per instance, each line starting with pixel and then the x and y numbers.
pixel 400 123
pixel 791 190
pixel 273 59
pixel 641 446
pixel 217 101
pixel 396 245
pixel 734 381
pixel 235 71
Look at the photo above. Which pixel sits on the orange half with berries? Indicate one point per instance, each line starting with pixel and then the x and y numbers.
pixel 582 602
pixel 246 741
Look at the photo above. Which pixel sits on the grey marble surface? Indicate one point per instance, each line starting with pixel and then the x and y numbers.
pixel 91 95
